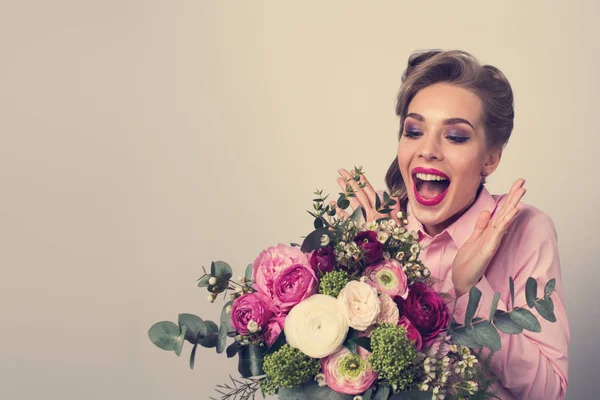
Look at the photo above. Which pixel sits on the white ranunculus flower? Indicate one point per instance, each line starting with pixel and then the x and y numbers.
pixel 316 326
pixel 359 304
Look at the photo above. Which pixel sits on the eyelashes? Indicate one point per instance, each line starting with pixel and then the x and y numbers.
pixel 413 134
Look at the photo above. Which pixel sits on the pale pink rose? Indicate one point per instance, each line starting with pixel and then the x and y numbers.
pixel 347 373
pixel 387 277
pixel 389 313
pixel 411 332
pixel 359 303
pixel 271 261
pixel 272 331
pixel 292 285
pixel 439 348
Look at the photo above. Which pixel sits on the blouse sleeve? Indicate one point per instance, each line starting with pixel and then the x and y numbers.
pixel 531 365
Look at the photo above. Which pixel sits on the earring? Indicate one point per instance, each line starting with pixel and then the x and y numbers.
pixel 484 174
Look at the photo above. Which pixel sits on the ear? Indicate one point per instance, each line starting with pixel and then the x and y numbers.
pixel 492 160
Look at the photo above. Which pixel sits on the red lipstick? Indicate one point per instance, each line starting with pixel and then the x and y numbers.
pixel 432 201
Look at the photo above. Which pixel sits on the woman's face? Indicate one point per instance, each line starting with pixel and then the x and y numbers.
pixel 442 152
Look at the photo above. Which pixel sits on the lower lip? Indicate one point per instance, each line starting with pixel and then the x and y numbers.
pixel 429 202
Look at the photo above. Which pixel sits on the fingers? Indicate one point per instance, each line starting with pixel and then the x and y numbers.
pixel 517 191
pixel 360 193
pixel 480 226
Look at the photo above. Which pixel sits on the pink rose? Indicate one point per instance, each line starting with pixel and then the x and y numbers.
pixel 323 260
pixel 426 310
pixel 272 331
pixel 348 373
pixel 387 277
pixel 389 313
pixel 253 307
pixel 411 332
pixel 367 241
pixel 292 285
pixel 439 348
pixel 271 261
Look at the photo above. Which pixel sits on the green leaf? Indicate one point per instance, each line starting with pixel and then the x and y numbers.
pixel 377 204
pixel 412 395
pixel 343 202
pixel 349 343
pixel 220 269
pixel 530 291
pixel 485 334
pixel 474 297
pixel 383 392
pixel 203 282
pixel 313 240
pixel 277 344
pixel 180 341
pixel 545 308
pixel 250 271
pixel 311 391
pixel 367 395
pixel 164 335
pixel 226 318
pixel 195 327
pixel 504 323
pixel 511 284
pixel 232 349
pixel 222 339
pixel 193 356
pixel 549 288
pixel 251 358
pixel 211 339
pixel 386 197
pixel 356 214
pixel 461 337
pixel 318 223
pixel 494 305
pixel 525 319
pixel 362 341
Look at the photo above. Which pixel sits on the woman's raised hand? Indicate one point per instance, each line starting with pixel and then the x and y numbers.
pixel 365 197
pixel 474 256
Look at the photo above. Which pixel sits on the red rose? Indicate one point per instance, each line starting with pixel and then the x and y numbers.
pixel 426 310
pixel 367 241
pixel 323 260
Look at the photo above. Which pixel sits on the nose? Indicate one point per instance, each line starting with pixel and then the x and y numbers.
pixel 429 148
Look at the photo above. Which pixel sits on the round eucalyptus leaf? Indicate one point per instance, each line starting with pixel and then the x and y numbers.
pixel 180 341
pixel 211 338
pixel 195 326
pixel 164 334
pixel 525 319
pixel 220 269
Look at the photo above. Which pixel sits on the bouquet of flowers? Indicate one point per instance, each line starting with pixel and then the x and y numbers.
pixel 349 314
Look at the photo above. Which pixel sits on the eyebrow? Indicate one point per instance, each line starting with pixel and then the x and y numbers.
pixel 448 121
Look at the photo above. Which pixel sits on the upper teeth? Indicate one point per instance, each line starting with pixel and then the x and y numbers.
pixel 429 177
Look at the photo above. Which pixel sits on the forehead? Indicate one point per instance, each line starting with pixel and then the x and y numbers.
pixel 444 100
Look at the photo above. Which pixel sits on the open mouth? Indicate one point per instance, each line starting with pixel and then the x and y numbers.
pixel 430 186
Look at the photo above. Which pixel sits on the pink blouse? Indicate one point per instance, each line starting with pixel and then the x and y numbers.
pixel 529 365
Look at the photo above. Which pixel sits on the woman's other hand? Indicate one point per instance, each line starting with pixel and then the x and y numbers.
pixel 474 256
pixel 365 198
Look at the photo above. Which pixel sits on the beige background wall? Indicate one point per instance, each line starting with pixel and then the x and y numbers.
pixel 139 140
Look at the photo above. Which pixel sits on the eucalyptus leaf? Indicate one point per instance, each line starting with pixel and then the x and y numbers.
pixel 220 269
pixel 343 202
pixel 164 335
pixel 386 197
pixel 277 344
pixel 530 291
pixel 383 392
pixel 222 338
pixel 251 359
pixel 545 308
pixel 356 214
pixel 232 349
pixel 203 282
pixel 525 319
pixel 193 356
pixel 311 391
pixel 211 338
pixel 313 240
pixel 474 297
pixel 412 395
pixel 225 317
pixel 504 323
pixel 549 288
pixel 494 305
pixel 377 201
pixel 511 285
pixel 318 223
pixel 249 273
pixel 367 395
pixel 461 337
pixel 180 341
pixel 485 334
pixel 362 341
pixel 195 326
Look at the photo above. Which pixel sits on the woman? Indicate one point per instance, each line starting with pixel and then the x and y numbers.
pixel 455 118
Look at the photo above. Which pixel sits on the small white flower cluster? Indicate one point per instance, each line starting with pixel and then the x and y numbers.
pixel 468 361
pixel 346 251
pixel 437 373
pixel 321 380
